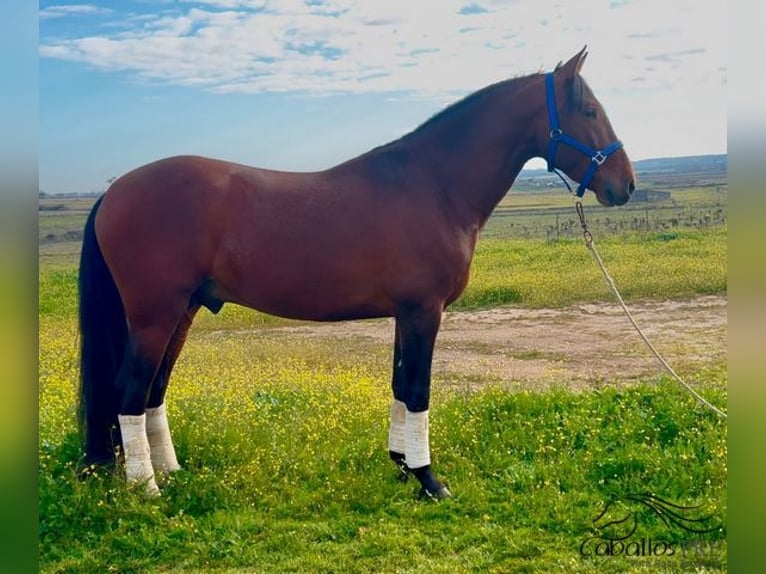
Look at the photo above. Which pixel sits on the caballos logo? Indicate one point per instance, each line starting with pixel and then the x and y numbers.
pixel 616 527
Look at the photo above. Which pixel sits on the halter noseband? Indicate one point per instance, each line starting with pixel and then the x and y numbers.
pixel 557 135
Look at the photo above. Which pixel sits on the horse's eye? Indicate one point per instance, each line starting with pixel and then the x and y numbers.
pixel 590 112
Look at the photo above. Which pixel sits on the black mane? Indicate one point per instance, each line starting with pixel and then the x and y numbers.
pixel 573 96
pixel 466 102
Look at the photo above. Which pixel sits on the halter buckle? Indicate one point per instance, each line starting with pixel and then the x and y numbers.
pixel 599 158
pixel 556 134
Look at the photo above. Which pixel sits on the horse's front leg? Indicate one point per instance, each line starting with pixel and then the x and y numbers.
pixel 416 330
pixel 397 428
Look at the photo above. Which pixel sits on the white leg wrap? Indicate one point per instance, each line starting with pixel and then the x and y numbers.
pixel 396 432
pixel 417 451
pixel 161 445
pixel 138 463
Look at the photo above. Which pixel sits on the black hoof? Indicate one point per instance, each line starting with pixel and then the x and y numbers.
pixel 439 494
pixel 431 487
pixel 404 470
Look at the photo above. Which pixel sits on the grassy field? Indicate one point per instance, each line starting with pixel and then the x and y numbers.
pixel 283 440
pixel 550 215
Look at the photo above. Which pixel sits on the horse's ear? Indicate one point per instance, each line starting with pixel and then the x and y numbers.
pixel 574 64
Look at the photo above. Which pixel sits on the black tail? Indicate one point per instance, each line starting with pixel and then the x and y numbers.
pixel 103 340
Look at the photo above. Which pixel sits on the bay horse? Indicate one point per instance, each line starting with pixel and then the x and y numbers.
pixel 390 233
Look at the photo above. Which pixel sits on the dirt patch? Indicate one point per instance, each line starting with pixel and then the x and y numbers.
pixel 584 346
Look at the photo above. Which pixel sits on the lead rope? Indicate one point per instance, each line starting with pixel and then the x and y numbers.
pixel 610 282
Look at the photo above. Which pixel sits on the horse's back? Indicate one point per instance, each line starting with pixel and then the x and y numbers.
pixel 183 198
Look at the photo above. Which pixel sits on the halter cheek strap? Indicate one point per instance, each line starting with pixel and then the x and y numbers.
pixel 557 136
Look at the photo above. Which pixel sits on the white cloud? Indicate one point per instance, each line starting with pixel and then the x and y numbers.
pixel 659 67
pixel 637 49
pixel 64 10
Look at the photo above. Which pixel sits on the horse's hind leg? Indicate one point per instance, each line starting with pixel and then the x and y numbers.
pixel 146 349
pixel 163 454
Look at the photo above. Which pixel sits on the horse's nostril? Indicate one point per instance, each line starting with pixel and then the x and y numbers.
pixel 631 187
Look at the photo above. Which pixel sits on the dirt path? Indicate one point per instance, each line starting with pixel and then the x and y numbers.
pixel 586 345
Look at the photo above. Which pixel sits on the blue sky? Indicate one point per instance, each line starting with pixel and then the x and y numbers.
pixel 303 85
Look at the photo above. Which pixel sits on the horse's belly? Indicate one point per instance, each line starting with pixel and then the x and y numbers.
pixel 306 293
pixel 329 273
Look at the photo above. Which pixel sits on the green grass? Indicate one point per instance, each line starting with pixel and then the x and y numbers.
pixel 268 493
pixel 283 441
pixel 536 273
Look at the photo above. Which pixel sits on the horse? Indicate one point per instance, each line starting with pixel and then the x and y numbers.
pixel 390 233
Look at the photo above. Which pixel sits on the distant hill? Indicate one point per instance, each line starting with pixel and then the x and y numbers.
pixel 697 164
pixel 714 164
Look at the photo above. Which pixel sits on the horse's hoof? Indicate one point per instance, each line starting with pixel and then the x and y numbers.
pixel 439 494
pixel 401 465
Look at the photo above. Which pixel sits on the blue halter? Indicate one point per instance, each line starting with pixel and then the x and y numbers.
pixel 557 135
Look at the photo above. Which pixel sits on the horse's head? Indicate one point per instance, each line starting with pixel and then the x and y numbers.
pixel 578 138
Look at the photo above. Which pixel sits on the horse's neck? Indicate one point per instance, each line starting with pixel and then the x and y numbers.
pixel 477 152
